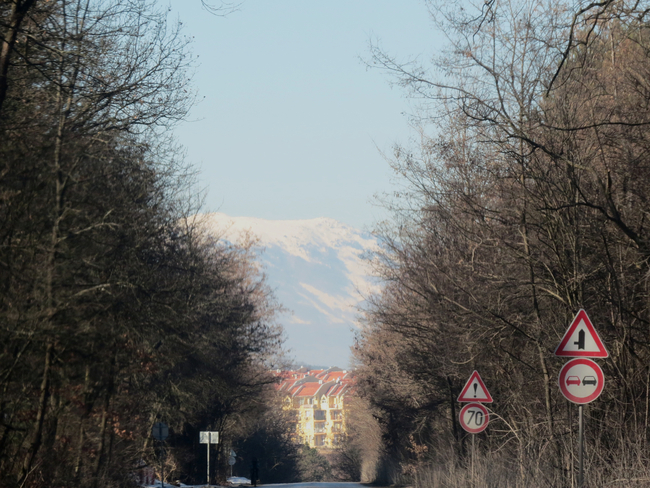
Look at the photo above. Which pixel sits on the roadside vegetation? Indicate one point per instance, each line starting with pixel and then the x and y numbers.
pixel 525 200
pixel 116 310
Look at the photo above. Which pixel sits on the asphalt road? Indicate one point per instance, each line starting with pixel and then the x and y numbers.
pixel 316 485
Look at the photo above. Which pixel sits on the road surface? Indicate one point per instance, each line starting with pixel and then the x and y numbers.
pixel 316 485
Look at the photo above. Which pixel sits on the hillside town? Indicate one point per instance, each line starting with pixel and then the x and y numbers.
pixel 318 401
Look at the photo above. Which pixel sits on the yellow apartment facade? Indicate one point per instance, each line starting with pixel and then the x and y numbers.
pixel 318 401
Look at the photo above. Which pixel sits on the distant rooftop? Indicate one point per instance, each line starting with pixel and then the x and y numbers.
pixel 304 382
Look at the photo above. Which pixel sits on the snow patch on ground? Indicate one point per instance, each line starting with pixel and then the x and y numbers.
pixel 233 481
pixel 239 480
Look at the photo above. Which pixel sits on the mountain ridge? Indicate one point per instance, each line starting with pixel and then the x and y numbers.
pixel 317 271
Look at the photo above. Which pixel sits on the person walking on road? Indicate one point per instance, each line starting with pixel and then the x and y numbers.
pixel 254 472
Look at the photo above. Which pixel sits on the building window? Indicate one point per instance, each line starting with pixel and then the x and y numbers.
pixel 319 415
pixel 319 440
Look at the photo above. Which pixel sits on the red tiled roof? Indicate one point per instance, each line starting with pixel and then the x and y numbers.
pixel 305 383
pixel 333 375
pixel 308 389
pixel 285 385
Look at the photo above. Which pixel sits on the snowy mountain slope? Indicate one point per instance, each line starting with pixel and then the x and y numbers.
pixel 316 270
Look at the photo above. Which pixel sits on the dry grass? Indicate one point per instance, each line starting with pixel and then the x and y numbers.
pixel 629 467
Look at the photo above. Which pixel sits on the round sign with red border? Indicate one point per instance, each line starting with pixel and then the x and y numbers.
pixel 474 418
pixel 581 380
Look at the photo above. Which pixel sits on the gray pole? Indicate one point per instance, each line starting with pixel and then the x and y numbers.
pixel 581 448
pixel 162 464
pixel 208 476
pixel 472 474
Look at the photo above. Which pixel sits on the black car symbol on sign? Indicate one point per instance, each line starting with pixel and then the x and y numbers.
pixel 589 380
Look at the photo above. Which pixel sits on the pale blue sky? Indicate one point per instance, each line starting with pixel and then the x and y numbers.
pixel 292 122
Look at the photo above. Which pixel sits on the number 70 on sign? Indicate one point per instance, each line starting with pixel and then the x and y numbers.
pixel 474 418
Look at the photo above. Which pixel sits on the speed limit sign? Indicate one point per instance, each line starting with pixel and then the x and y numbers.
pixel 474 418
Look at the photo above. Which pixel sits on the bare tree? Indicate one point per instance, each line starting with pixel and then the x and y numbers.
pixel 518 208
pixel 115 309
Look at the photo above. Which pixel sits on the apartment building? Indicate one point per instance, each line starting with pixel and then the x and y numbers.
pixel 319 402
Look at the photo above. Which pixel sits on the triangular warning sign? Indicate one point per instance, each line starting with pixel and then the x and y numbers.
pixel 475 390
pixel 581 340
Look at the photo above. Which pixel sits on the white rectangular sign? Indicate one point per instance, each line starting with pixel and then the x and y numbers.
pixel 209 437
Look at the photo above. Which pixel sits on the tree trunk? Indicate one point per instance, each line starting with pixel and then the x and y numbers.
pixel 454 420
pixel 35 443
pixel 18 11
pixel 101 457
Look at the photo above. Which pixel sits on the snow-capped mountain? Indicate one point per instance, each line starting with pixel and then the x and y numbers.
pixel 316 270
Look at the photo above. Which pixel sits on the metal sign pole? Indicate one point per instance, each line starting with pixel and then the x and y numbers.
pixel 160 431
pixel 473 450
pixel 162 466
pixel 581 447
pixel 581 380
pixel 207 437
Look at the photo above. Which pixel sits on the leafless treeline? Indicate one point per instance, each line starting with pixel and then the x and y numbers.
pixel 526 200
pixel 115 311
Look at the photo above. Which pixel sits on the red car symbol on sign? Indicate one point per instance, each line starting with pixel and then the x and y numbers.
pixel 573 380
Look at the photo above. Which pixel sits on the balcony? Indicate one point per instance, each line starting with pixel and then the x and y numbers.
pixel 336 415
